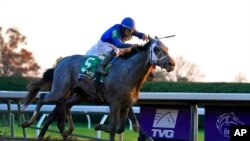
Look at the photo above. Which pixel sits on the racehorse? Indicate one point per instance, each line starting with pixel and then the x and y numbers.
pixel 61 106
pixel 121 86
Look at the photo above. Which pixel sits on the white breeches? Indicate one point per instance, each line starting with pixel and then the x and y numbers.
pixel 102 48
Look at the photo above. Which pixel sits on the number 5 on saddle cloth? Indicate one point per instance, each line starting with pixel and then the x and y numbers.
pixel 90 65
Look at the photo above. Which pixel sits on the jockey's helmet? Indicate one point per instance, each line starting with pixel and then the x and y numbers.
pixel 128 23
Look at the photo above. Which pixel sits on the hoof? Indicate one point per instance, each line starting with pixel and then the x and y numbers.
pixel 149 139
pixel 145 139
pixel 136 128
pixel 26 124
pixel 40 138
pixel 119 131
pixel 66 134
pixel 98 127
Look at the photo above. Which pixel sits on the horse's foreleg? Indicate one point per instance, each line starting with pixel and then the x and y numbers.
pixel 114 113
pixel 143 136
pixel 122 120
pixel 132 117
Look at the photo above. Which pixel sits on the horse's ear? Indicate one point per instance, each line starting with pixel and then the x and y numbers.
pixel 150 38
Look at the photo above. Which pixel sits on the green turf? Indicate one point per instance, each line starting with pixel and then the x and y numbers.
pixel 80 129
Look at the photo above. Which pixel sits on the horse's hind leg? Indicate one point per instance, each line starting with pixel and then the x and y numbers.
pixel 34 116
pixel 49 120
pixel 61 118
pixel 72 100
pixel 102 127
pixel 59 91
pixel 70 123
pixel 58 110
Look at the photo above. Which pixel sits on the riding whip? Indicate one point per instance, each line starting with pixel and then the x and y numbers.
pixel 164 37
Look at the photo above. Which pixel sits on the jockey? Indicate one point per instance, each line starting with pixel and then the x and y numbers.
pixel 112 42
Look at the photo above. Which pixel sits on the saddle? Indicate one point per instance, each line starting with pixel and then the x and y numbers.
pixel 88 70
pixel 90 65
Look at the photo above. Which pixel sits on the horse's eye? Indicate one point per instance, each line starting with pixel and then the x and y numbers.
pixel 156 49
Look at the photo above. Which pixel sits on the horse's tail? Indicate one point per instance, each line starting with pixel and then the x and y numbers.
pixel 35 86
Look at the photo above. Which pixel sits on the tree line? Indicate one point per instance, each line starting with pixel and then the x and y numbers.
pixel 15 61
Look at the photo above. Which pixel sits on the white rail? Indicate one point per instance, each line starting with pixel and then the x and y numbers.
pixel 156 98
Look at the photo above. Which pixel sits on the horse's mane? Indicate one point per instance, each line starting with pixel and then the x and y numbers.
pixel 135 51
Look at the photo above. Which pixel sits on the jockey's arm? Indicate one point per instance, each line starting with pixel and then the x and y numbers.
pixel 140 35
pixel 117 42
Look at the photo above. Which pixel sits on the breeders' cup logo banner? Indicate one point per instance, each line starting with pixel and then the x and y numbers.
pixel 166 122
pixel 219 119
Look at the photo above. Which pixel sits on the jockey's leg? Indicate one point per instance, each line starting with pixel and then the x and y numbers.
pixel 105 61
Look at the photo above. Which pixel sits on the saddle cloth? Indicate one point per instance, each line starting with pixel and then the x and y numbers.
pixel 90 65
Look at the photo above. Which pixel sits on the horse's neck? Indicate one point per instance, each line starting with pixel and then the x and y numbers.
pixel 138 68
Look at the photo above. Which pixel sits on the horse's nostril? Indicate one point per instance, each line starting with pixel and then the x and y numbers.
pixel 170 64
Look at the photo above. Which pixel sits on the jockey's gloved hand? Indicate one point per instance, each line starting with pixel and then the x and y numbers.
pixel 144 37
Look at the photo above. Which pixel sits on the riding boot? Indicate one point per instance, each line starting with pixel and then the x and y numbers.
pixel 104 62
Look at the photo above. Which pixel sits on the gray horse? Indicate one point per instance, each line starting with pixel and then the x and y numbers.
pixel 63 105
pixel 121 86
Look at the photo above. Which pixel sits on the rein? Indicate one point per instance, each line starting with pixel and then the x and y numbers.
pixel 152 57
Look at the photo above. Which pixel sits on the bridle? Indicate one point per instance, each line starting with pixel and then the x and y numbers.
pixel 154 60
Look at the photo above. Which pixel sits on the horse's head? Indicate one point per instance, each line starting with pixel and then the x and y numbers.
pixel 159 55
